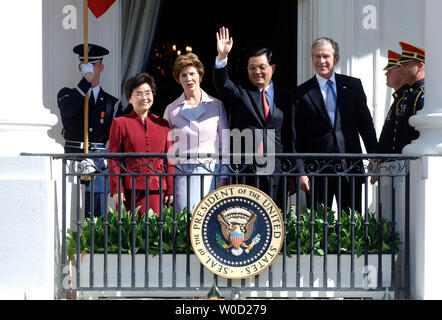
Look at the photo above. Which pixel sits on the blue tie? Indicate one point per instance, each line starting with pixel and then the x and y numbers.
pixel 330 101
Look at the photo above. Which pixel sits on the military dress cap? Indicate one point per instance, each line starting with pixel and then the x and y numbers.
pixel 393 60
pixel 95 52
pixel 411 52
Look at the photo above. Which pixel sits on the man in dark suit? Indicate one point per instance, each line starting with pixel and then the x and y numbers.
pixel 257 110
pixel 103 108
pixel 329 113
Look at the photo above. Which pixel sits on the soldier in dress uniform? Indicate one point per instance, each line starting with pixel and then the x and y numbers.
pixel 412 69
pixel 103 108
pixel 397 133
pixel 388 137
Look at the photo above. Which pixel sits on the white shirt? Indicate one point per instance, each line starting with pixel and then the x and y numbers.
pixel 96 91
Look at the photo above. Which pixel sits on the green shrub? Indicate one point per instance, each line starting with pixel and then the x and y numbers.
pixel 152 224
pixel 182 240
pixel 362 239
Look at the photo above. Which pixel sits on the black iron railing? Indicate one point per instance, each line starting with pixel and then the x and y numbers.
pixel 318 233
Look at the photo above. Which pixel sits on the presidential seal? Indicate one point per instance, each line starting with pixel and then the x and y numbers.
pixel 237 231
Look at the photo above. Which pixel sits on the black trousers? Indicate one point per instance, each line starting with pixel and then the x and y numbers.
pixel 346 190
pixel 267 184
pixel 98 203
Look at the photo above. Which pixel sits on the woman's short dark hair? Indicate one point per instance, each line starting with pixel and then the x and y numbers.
pixel 137 81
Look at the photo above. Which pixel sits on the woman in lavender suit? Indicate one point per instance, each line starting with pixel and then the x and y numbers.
pixel 197 122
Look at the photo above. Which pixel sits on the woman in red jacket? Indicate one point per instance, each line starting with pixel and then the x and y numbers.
pixel 141 132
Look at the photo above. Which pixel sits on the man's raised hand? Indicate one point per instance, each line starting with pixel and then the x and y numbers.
pixel 224 43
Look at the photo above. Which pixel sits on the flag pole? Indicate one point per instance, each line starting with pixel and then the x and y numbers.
pixel 86 60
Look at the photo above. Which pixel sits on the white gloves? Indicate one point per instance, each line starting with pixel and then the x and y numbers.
pixel 86 166
pixel 87 70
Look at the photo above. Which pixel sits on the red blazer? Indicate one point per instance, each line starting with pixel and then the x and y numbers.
pixel 127 134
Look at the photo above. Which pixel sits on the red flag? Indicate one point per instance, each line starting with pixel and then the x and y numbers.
pixel 99 7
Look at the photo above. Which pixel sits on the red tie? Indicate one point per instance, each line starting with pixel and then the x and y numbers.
pixel 265 106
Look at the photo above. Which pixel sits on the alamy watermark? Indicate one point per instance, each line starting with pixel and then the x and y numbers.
pixel 247 146
pixel 70 17
pixel 369 21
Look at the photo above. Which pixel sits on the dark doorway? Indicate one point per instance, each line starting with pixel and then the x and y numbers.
pixel 194 23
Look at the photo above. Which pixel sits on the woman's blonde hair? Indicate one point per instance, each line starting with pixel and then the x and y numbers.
pixel 188 59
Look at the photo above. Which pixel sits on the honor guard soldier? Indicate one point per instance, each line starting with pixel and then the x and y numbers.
pixel 103 108
pixel 412 70
pixel 389 135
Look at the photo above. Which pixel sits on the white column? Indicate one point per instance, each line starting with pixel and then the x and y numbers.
pixel 428 121
pixel 27 189
pixel 24 120
pixel 426 182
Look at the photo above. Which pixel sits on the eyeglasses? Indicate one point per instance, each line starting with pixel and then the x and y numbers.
pixel 261 67
pixel 140 94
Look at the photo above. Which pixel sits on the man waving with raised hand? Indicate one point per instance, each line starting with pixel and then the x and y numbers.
pixel 257 108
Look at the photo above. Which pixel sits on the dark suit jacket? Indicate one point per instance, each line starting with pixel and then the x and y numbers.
pixel 246 107
pixel 71 104
pixel 313 131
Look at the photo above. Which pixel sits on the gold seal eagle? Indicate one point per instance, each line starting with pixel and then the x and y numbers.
pixel 237 226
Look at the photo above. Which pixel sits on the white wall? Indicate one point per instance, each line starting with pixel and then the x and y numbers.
pixel 60 35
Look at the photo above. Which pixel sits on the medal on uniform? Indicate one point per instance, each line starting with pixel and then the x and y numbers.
pixel 102 114
pixel 403 109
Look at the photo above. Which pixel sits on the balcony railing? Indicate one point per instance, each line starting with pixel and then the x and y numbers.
pixel 333 250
